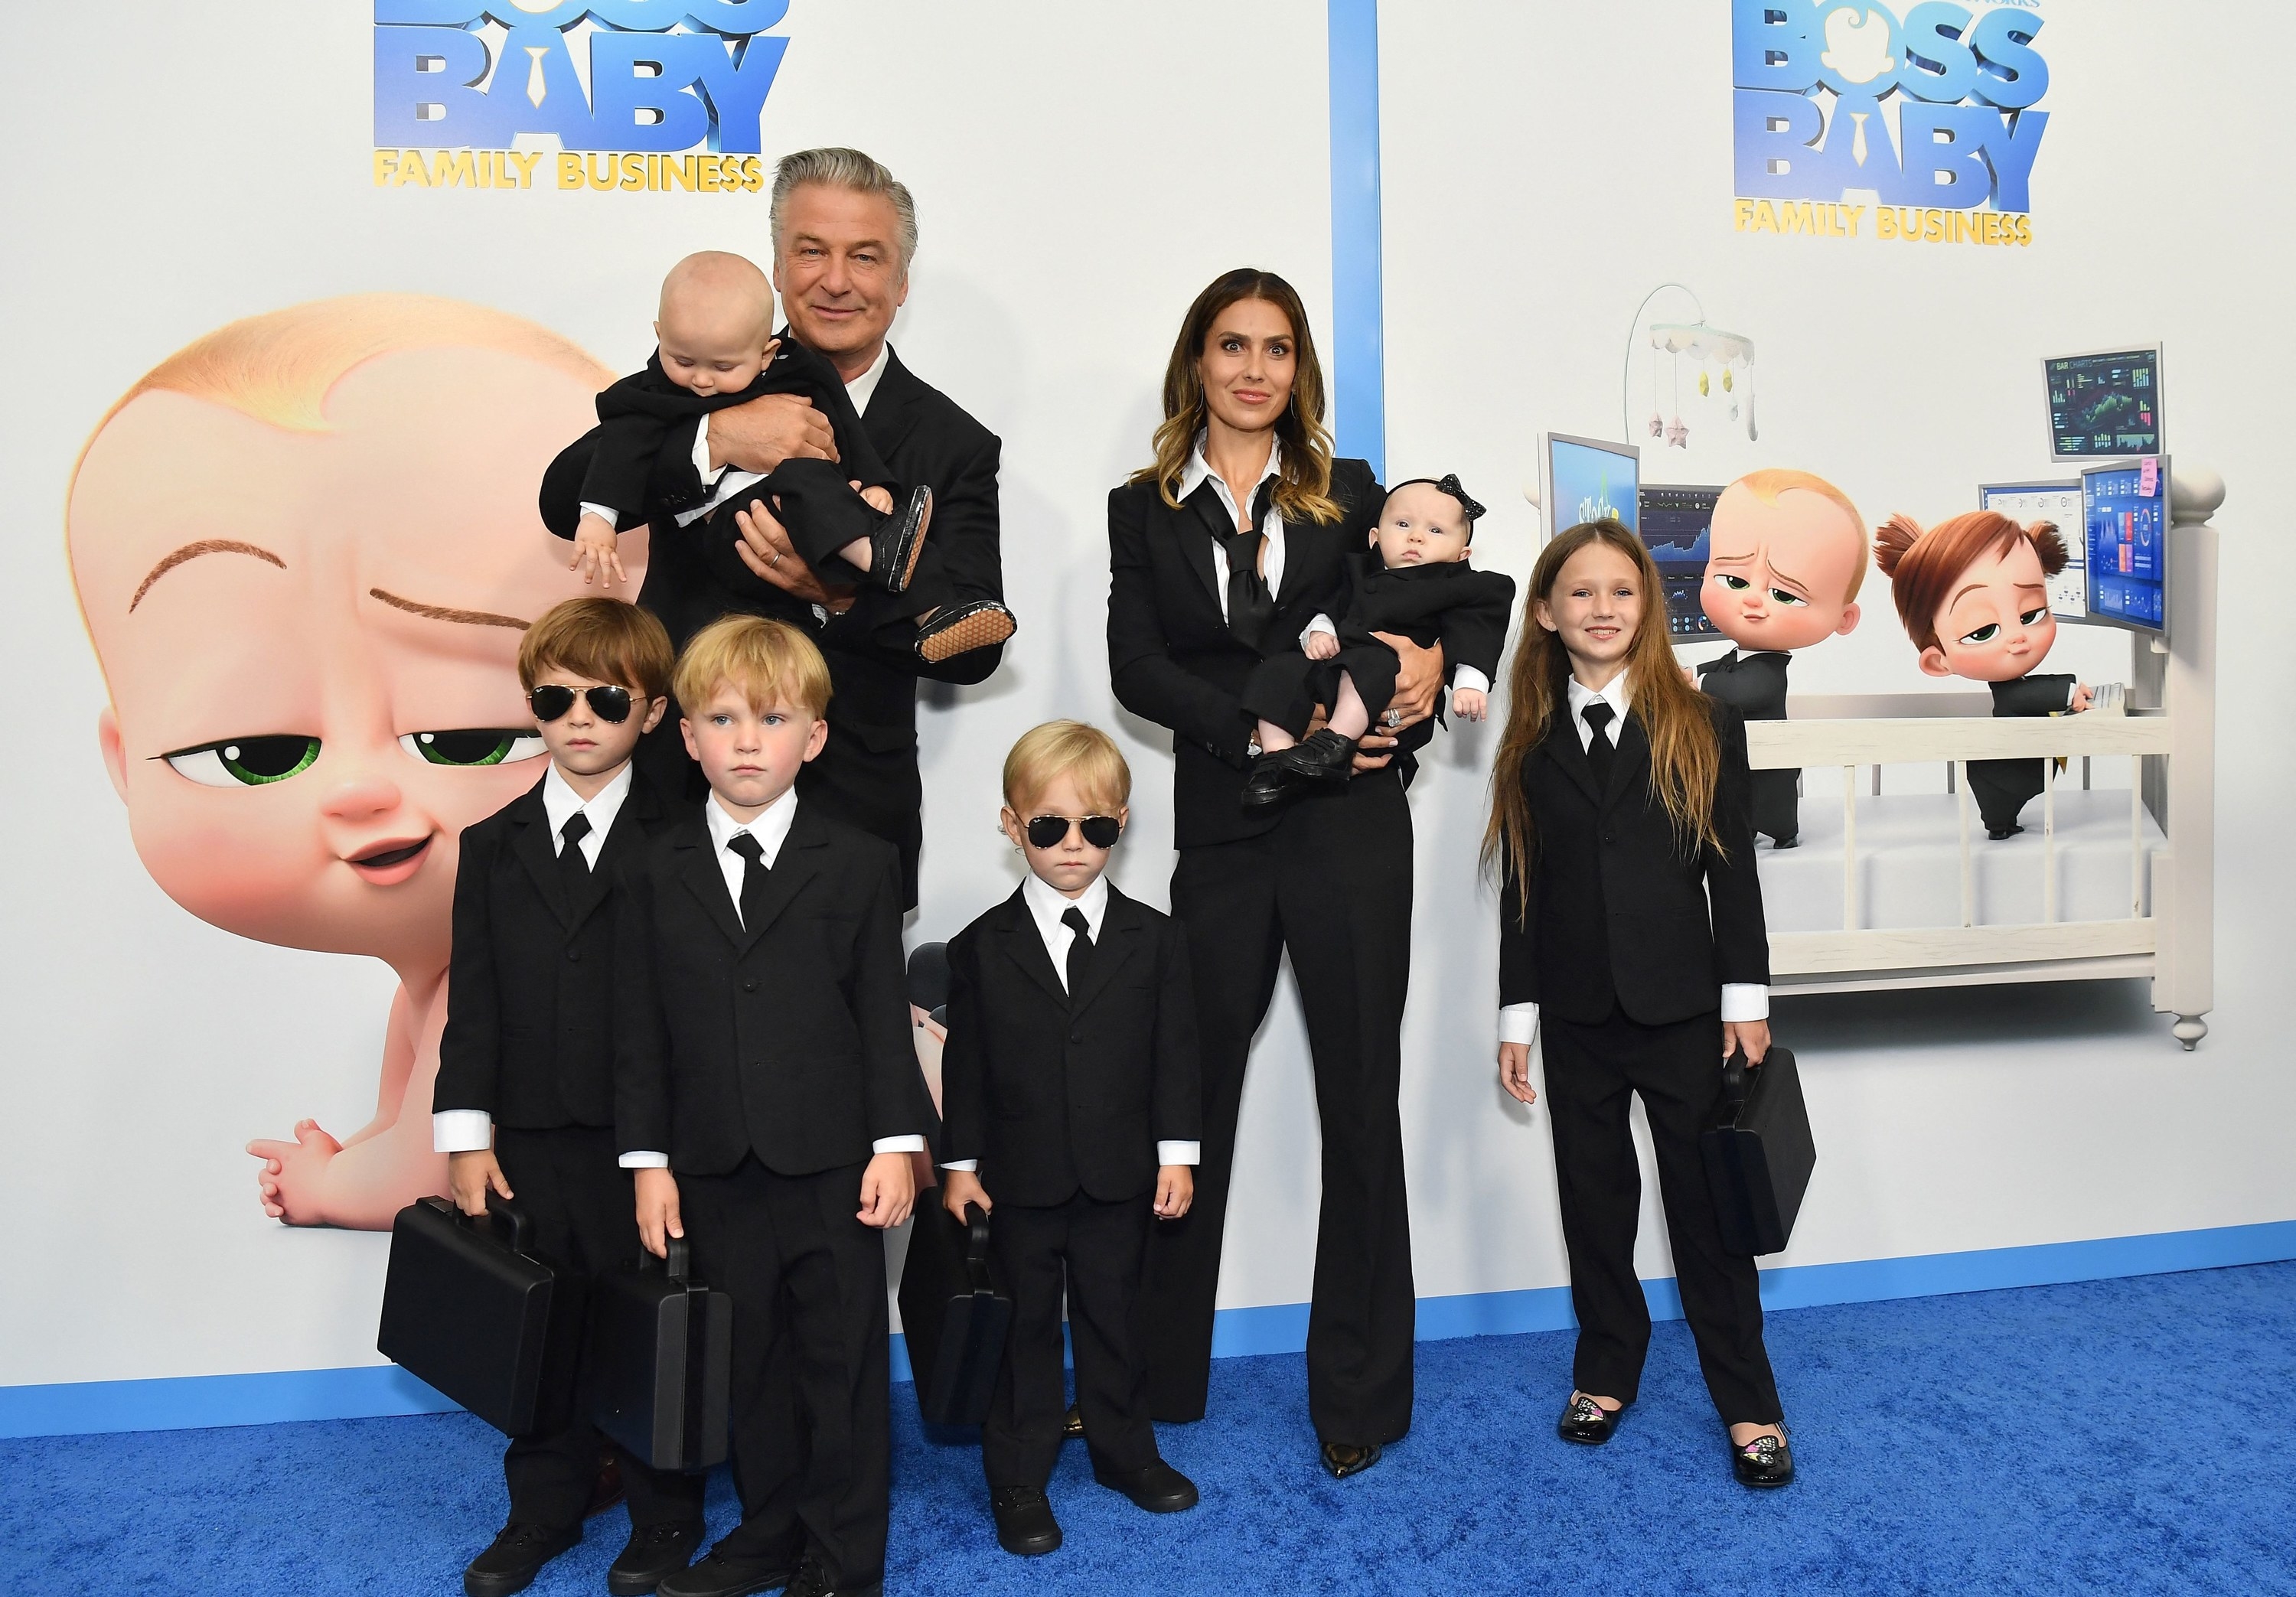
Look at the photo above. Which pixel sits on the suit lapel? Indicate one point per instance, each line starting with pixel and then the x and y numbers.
pixel 639 812
pixel 698 869
pixel 1303 546
pixel 531 841
pixel 1024 945
pixel 799 862
pixel 1560 745
pixel 892 412
pixel 1119 941
pixel 1203 523
pixel 1633 759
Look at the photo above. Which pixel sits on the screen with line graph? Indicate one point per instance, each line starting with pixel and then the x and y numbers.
pixel 1677 524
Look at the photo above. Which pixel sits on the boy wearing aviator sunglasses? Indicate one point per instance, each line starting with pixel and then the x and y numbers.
pixel 1069 1086
pixel 524 1104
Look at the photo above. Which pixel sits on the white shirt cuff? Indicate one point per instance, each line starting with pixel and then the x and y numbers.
pixel 604 513
pixel 460 1130
pixel 1179 1153
pixel 701 467
pixel 1518 1023
pixel 643 1159
pixel 1321 623
pixel 969 1166
pixel 912 1143
pixel 1745 1001
pixel 1473 680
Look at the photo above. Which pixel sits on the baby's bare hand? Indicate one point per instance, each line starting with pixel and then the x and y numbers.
pixel 1321 646
pixel 1470 702
pixel 596 555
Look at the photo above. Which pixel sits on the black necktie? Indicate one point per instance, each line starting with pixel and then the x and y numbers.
pixel 1600 754
pixel 573 869
pixel 754 872
pixel 1250 607
pixel 1079 948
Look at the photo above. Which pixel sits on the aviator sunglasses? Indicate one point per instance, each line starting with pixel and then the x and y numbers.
pixel 1048 831
pixel 551 702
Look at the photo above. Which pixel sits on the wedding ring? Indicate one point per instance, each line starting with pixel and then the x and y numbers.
pixel 777 559
pixel 1395 717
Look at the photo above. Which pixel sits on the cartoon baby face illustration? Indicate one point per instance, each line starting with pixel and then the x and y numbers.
pixel 1786 557
pixel 306 548
pixel 1995 625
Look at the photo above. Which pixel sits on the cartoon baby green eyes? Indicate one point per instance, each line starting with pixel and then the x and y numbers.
pixel 254 762
pixel 1739 584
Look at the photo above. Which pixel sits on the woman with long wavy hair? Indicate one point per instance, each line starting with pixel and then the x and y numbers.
pixel 1631 941
pixel 1213 552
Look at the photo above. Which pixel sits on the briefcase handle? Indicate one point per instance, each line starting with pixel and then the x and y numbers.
pixel 679 1264
pixel 976 1251
pixel 1737 1079
pixel 511 1218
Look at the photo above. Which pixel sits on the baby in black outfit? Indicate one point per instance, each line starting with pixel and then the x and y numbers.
pixel 1414 580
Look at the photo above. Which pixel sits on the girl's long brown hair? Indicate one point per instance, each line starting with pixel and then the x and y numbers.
pixel 1303 486
pixel 1685 755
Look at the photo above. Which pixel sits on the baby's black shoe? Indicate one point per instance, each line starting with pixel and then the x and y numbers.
pixel 1322 758
pixel 955 630
pixel 898 540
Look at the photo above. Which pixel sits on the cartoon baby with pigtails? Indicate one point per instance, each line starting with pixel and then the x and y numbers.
pixel 306 547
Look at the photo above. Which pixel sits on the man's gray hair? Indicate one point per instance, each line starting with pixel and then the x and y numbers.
pixel 846 168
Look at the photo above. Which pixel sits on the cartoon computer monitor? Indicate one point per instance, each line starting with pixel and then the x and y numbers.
pixel 1676 525
pixel 2125 544
pixel 2104 406
pixel 1587 479
pixel 2059 504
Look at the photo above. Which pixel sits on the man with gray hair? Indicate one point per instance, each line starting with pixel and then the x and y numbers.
pixel 844 233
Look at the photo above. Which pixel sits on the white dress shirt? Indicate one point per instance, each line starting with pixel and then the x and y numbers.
pixel 725 481
pixel 468 1130
pixel 1740 1000
pixel 1271 526
pixel 1046 905
pixel 772 830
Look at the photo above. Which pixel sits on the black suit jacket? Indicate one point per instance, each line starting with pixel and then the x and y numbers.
pixel 868 772
pixel 790 1037
pixel 1171 655
pixel 1620 912
pixel 1052 1091
pixel 2045 693
pixel 530 994
pixel 1755 684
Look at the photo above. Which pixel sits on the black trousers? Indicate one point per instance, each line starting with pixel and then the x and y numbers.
pixel 818 506
pixel 1777 804
pixel 584 1218
pixel 1287 688
pixel 1098 1246
pixel 1678 1070
pixel 811 1422
pixel 1330 883
pixel 2003 788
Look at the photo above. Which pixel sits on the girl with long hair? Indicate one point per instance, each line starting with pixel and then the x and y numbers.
pixel 1216 552
pixel 1631 940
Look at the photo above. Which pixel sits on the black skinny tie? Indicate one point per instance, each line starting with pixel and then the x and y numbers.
pixel 754 872
pixel 573 869
pixel 1079 948
pixel 1601 754
pixel 1250 607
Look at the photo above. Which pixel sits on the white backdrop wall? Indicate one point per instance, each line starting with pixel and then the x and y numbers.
pixel 1081 174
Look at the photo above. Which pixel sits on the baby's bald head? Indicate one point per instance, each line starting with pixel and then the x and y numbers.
pixel 717 315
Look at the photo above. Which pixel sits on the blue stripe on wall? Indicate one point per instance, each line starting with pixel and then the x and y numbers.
pixel 1358 356
pixel 186 1402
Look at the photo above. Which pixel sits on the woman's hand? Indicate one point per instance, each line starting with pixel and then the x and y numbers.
pixel 1514 1072
pixel 1418 679
pixel 1752 1035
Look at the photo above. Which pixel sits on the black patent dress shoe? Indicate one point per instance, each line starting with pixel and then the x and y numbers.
pixel 2000 833
pixel 1323 758
pixel 1764 1462
pixel 1586 1422
pixel 652 1555
pixel 957 629
pixel 1159 1488
pixel 1344 1459
pixel 514 1557
pixel 898 540
pixel 1025 1525
pixel 1072 1425
pixel 725 1575
pixel 811 1580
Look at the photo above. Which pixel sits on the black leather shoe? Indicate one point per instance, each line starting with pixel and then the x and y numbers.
pixel 1764 1462
pixel 514 1557
pixel 652 1555
pixel 1025 1525
pixel 1792 842
pixel 957 629
pixel 2000 832
pixel 898 540
pixel 1072 1425
pixel 1323 758
pixel 720 1575
pixel 1159 1488
pixel 1344 1459
pixel 811 1580
pixel 1586 1422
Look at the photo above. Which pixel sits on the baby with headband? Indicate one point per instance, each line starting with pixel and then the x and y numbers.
pixel 1414 580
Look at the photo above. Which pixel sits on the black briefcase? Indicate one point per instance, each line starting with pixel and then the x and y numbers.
pixel 1758 1153
pixel 952 1313
pixel 657 1375
pixel 468 1306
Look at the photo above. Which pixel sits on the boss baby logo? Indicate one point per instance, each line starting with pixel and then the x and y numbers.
pixel 1933 114
pixel 635 94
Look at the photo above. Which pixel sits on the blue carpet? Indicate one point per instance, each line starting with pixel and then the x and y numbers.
pixel 2112 1436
